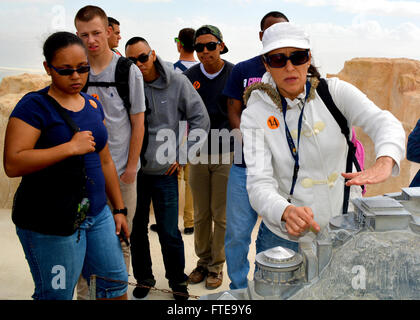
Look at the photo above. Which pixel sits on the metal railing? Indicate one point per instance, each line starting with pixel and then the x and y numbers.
pixel 94 277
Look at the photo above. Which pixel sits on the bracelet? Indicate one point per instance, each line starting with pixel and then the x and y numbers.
pixel 123 211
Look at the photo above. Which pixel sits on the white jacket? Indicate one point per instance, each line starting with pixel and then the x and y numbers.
pixel 322 150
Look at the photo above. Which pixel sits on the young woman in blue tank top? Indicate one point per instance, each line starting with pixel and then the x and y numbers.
pixel 56 261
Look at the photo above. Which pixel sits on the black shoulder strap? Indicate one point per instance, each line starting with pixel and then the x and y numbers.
pixel 179 65
pixel 325 95
pixel 122 72
pixel 63 113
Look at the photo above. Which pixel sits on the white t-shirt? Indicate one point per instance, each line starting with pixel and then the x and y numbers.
pixel 211 76
pixel 187 64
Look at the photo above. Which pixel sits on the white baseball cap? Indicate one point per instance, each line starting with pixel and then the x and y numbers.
pixel 282 35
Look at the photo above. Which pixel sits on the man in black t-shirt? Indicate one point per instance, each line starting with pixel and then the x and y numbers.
pixel 208 179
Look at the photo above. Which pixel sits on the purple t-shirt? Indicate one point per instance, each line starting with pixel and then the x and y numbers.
pixel 38 112
pixel 242 76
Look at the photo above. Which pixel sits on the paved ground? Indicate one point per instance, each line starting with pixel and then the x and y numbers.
pixel 16 281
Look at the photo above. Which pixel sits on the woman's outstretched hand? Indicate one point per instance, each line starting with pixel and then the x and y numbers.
pixel 378 173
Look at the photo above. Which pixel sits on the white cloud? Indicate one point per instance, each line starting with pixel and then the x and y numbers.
pixel 332 45
pixel 29 2
pixel 374 7
pixel 151 1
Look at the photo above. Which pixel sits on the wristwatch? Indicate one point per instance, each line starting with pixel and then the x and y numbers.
pixel 123 211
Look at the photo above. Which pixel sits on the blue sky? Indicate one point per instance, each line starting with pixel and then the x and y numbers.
pixel 339 29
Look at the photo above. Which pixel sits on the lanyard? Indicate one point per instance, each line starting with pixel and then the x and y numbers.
pixel 290 142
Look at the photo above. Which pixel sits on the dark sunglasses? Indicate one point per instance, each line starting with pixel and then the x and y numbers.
pixel 69 72
pixel 199 47
pixel 141 58
pixel 279 60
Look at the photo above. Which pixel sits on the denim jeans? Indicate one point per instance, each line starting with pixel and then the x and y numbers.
pixel 162 191
pixel 56 261
pixel 240 220
pixel 267 240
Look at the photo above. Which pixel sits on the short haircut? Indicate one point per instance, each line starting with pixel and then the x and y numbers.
pixel 112 21
pixel 88 13
pixel 57 41
pixel 186 36
pixel 274 14
pixel 135 40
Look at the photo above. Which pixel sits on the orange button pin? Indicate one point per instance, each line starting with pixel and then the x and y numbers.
pixel 197 85
pixel 93 104
pixel 273 122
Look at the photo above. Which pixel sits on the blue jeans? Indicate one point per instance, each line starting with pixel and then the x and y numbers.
pixel 267 240
pixel 162 191
pixel 56 261
pixel 240 220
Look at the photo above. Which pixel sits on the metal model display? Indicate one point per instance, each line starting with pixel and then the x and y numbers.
pixel 371 253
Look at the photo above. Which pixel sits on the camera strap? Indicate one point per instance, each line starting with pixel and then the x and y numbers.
pixel 70 122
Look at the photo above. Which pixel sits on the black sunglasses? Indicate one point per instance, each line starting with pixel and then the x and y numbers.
pixel 199 47
pixel 68 71
pixel 141 58
pixel 279 60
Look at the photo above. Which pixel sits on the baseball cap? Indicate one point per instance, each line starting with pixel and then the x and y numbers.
pixel 209 29
pixel 282 35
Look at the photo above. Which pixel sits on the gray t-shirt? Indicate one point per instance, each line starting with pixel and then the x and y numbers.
pixel 116 118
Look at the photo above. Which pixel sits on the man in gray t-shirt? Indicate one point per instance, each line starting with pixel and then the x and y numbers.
pixel 117 121
pixel 125 131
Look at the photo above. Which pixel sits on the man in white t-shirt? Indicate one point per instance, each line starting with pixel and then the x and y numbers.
pixel 115 36
pixel 185 46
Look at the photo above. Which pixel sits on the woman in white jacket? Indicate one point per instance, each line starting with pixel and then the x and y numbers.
pixel 288 129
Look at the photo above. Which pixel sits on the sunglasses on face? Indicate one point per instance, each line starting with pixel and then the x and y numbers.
pixel 141 58
pixel 199 47
pixel 279 60
pixel 69 72
pixel 177 40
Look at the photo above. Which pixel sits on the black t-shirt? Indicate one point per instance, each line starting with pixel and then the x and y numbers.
pixel 211 91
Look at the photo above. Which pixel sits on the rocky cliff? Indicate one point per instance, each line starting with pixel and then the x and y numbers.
pixel 12 89
pixel 393 85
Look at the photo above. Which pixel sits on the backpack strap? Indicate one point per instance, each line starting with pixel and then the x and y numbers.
pixel 122 72
pixel 179 65
pixel 325 95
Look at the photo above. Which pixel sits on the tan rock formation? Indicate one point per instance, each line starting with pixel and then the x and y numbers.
pixel 393 85
pixel 12 89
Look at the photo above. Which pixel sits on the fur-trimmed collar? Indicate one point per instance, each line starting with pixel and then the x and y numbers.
pixel 273 93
